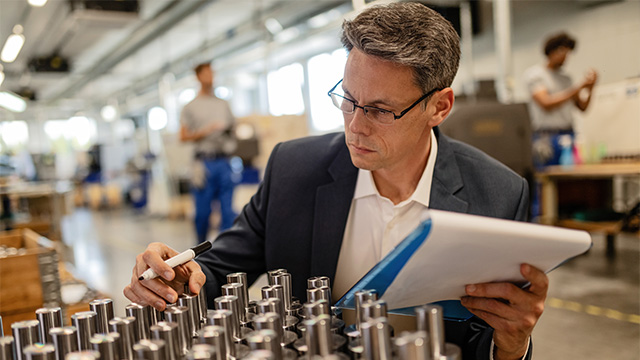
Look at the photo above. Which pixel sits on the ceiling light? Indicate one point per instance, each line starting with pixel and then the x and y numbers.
pixel 12 102
pixel 37 3
pixel 13 45
pixel 157 118
pixel 108 113
pixel 273 26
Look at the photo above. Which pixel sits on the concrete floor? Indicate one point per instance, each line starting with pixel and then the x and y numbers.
pixel 592 310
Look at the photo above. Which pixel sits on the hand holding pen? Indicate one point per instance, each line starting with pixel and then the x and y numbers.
pixel 164 287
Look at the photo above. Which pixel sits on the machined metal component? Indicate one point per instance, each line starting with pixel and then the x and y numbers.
pixel 202 301
pixel 273 321
pixel 229 302
pixel 85 323
pixel 150 349
pixel 451 352
pixel 104 311
pixel 65 340
pixel 413 346
pixel 39 351
pixel 236 289
pixel 83 355
pixel 320 307
pixel 202 352
pixel 214 335
pixel 154 315
pixel 272 273
pixel 141 314
pixel 106 345
pixel 362 297
pixel 284 280
pixel 7 348
pixel 49 318
pixel 373 309
pixel 376 339
pixel 126 327
pixel 180 316
pixel 192 303
pixel 168 332
pixel 25 333
pixel 429 319
pixel 240 278
pixel 319 293
pixel 274 304
pixel 223 318
pixel 318 336
pixel 265 340
pixel 260 355
pixel 318 281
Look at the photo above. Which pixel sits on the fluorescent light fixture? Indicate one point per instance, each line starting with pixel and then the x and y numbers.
pixel 13 45
pixel 108 113
pixel 273 26
pixel 157 118
pixel 37 3
pixel 12 102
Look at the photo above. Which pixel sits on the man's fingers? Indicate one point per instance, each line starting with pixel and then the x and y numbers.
pixel 488 305
pixel 148 297
pixel 153 257
pixel 538 279
pixel 506 291
pixel 196 276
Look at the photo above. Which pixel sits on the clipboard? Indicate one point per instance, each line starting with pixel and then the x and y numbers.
pixel 449 250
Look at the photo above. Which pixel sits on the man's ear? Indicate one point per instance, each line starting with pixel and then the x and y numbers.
pixel 441 103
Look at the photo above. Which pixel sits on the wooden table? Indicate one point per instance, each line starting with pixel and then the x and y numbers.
pixel 550 176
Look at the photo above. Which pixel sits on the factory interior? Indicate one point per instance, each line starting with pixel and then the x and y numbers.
pixel 96 163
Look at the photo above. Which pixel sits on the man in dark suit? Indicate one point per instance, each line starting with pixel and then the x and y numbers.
pixel 335 204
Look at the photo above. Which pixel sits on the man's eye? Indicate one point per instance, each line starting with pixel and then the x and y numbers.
pixel 380 111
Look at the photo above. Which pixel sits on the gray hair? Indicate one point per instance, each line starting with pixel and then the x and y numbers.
pixel 408 34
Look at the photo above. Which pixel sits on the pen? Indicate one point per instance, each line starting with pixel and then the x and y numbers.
pixel 179 259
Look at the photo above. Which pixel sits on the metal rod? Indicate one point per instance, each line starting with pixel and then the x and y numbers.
pixel 180 316
pixel 25 333
pixel 223 318
pixel 230 303
pixel 429 319
pixel 376 339
pixel 236 289
pixel 284 280
pixel 413 346
pixel 104 311
pixel 65 340
pixel 39 352
pixel 105 345
pixel 192 303
pixel 240 278
pixel 168 332
pixel 272 273
pixel 214 335
pixel 265 340
pixel 202 352
pixel 7 348
pixel 363 296
pixel 49 318
pixel 83 355
pixel 141 314
pixel 85 323
pixel 150 349
pixel 126 328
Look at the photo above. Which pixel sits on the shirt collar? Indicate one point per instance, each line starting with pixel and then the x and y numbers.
pixel 365 186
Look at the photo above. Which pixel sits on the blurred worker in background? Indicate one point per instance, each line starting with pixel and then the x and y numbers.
pixel 553 98
pixel 336 204
pixel 207 121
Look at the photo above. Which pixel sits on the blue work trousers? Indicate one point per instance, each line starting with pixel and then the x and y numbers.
pixel 217 186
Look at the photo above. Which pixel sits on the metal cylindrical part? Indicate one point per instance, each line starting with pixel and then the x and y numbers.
pixel 318 335
pixel 150 349
pixel 49 318
pixel 85 323
pixel 39 351
pixel 315 308
pixel 25 333
pixel 270 321
pixel 126 327
pixel 318 281
pixel 373 310
pixel 83 355
pixel 240 278
pixel 7 348
pixel 430 319
pixel 319 293
pixel 141 313
pixel 214 335
pixel 236 289
pixel 106 345
pixel 202 300
pixel 376 339
pixel 192 303
pixel 451 352
pixel 104 312
pixel 168 332
pixel 223 318
pixel 272 304
pixel 272 273
pixel 265 340
pixel 363 296
pixel 284 280
pixel 413 346
pixel 229 302
pixel 154 315
pixel 180 316
pixel 260 355
pixel 65 340
pixel 202 352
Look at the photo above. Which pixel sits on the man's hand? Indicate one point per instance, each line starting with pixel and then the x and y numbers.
pixel 590 79
pixel 511 311
pixel 170 282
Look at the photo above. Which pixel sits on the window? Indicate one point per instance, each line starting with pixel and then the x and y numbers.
pixel 284 88
pixel 79 131
pixel 324 71
pixel 15 135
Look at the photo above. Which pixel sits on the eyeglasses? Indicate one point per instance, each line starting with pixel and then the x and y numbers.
pixel 372 113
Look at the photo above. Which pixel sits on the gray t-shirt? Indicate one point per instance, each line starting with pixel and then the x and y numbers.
pixel 540 77
pixel 203 111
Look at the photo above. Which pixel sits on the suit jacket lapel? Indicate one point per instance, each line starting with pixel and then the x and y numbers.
pixel 447 183
pixel 333 202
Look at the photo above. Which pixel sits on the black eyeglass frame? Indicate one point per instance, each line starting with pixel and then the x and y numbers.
pixel 395 117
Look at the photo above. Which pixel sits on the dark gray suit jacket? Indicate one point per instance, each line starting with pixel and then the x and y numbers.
pixel 297 218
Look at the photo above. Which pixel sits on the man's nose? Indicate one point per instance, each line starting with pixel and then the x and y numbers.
pixel 359 123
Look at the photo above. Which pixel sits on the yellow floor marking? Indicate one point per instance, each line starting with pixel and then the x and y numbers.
pixel 592 310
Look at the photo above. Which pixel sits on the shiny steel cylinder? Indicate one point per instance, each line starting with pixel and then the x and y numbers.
pixel 315 308
pixel 83 355
pixel 223 318
pixel 65 340
pixel 168 332
pixel 154 315
pixel 106 345
pixel 363 296
pixel 126 327
pixel 260 355
pixel 192 303
pixel 214 335
pixel 376 339
pixel 240 278
pixel 319 293
pixel 413 346
pixel 429 318
pixel 272 273
pixel 150 349
pixel 25 333
pixel 230 303
pixel 39 351
pixel 104 312
pixel 265 340
pixel 141 314
pixel 202 352
pixel 451 352
pixel 284 280
pixel 318 335
pixel 85 324
pixel 49 318
pixel 180 316
pixel 318 281
pixel 373 310
pixel 202 299
pixel 270 321
pixel 273 304
pixel 7 348
pixel 236 289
